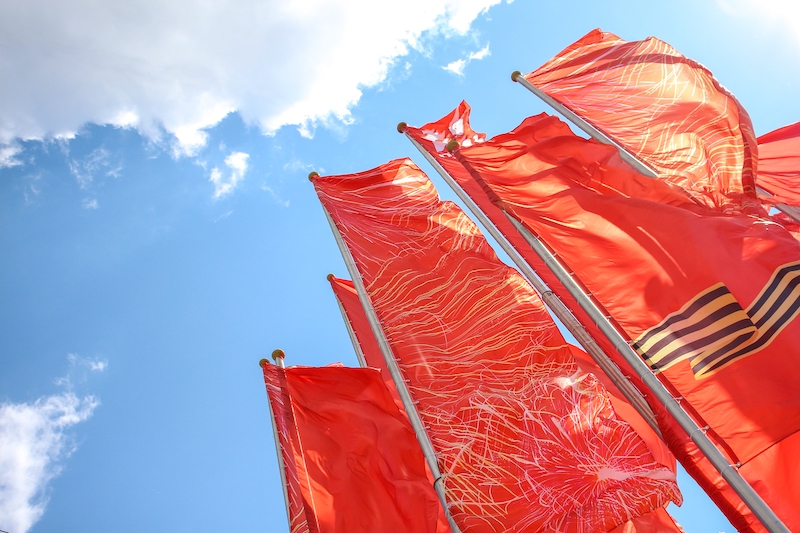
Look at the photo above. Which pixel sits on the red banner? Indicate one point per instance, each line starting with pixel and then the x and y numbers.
pixel 779 164
pixel 664 108
pixel 709 300
pixel 351 460
pixel 524 439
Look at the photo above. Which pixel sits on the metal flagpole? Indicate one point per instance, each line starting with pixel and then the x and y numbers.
pixel 391 363
pixel 356 345
pixel 590 130
pixel 552 301
pixel 789 211
pixel 626 156
pixel 278 356
pixel 698 435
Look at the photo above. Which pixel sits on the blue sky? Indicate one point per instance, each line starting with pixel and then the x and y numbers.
pixel 159 235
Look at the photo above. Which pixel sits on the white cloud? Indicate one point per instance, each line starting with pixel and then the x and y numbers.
pixel 95 164
pixel 267 188
pixel 237 163
pixel 457 67
pixel 181 66
pixel 34 438
pixel 90 203
pixel 8 155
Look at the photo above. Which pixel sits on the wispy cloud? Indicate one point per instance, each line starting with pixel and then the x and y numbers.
pixel 97 163
pixel 140 75
pixel 90 203
pixel 237 166
pixel 35 439
pixel 8 155
pixel 457 67
pixel 267 188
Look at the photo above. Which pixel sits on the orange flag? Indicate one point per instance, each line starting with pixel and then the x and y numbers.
pixel 664 108
pixel 351 460
pixel 709 300
pixel 524 439
pixel 779 164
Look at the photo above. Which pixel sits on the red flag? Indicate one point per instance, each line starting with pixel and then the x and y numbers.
pixel 779 164
pixel 664 108
pixel 525 441
pixel 710 300
pixel 351 460
pixel 658 521
pixel 346 293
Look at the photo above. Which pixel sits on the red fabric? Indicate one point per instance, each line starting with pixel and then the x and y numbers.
pixel 664 108
pixel 779 164
pixel 434 136
pixel 525 441
pixel 346 293
pixel 659 521
pixel 351 459
pixel 644 261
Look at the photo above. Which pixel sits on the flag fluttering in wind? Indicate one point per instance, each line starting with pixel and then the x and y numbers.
pixel 523 438
pixel 658 521
pixel 709 300
pixel 779 164
pixel 664 108
pixel 351 461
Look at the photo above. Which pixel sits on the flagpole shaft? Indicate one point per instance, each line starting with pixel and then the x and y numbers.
pixel 351 332
pixel 552 301
pixel 394 369
pixel 281 465
pixel 728 472
pixel 587 128
pixel 789 211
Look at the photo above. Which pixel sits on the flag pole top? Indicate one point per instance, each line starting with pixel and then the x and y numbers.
pixel 452 145
pixel 401 127
pixel 278 356
pixel 263 362
pixel 313 175
pixel 516 74
pixel 330 277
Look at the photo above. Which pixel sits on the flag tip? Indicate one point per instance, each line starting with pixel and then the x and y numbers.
pixel 278 354
pixel 263 362
pixel 312 175
pixel 401 127
pixel 330 277
pixel 452 145
pixel 516 74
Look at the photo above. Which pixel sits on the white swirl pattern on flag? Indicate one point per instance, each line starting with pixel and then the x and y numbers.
pixel 525 442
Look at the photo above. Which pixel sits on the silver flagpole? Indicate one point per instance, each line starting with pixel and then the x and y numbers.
pixel 391 364
pixel 552 301
pixel 789 211
pixel 626 156
pixel 356 346
pixel 698 435
pixel 590 130
pixel 278 356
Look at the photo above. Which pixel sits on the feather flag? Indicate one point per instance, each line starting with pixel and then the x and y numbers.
pixel 709 300
pixel 658 521
pixel 350 458
pixel 664 108
pixel 524 440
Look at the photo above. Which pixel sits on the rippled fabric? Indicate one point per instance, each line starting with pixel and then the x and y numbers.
pixel 351 460
pixel 525 440
pixel 709 300
pixel 666 109
pixel 779 164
